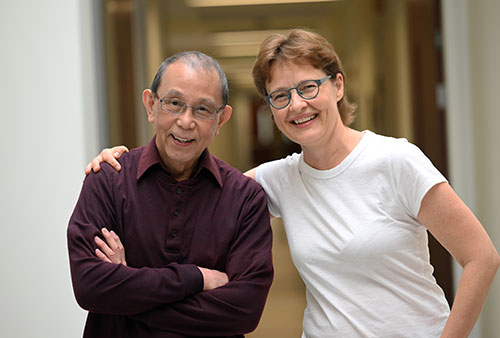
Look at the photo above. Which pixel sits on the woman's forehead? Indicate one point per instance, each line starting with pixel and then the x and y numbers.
pixel 290 73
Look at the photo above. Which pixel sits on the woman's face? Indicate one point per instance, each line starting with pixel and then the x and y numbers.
pixel 306 122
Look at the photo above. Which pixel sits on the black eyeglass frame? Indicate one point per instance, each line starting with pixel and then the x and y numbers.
pixel 319 82
pixel 185 106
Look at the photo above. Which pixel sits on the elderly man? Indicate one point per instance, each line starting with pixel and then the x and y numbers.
pixel 196 231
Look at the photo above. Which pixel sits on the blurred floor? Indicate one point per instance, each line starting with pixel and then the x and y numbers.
pixel 282 317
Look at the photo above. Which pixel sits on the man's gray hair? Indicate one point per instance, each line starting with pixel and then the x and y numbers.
pixel 196 60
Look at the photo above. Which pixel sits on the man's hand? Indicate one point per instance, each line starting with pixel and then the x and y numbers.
pixel 108 155
pixel 212 278
pixel 111 251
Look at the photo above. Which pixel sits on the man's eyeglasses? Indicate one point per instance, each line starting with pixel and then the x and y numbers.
pixel 201 111
pixel 307 90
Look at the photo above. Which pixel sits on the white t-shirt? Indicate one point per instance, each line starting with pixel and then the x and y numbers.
pixel 355 239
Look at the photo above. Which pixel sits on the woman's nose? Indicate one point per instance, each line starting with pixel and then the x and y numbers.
pixel 296 102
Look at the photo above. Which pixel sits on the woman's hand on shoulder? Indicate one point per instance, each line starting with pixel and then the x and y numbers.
pixel 108 155
pixel 251 173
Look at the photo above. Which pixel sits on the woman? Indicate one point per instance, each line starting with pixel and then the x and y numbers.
pixel 356 207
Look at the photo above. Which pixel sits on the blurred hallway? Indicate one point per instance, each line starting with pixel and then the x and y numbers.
pixel 396 99
pixel 286 303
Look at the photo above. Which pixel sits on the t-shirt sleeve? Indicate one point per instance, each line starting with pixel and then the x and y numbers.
pixel 414 175
pixel 268 176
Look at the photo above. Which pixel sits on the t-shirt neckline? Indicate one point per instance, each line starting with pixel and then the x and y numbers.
pixel 340 168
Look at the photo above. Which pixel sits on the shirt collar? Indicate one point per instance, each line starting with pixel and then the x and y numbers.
pixel 151 157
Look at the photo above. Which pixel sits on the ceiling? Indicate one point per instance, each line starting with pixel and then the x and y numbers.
pixel 232 34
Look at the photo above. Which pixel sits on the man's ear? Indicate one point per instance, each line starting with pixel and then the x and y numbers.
pixel 225 115
pixel 148 99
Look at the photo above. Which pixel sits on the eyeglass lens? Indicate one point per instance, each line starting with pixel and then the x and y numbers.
pixel 307 90
pixel 176 106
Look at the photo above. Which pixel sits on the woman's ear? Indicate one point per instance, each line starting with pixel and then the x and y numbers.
pixel 339 86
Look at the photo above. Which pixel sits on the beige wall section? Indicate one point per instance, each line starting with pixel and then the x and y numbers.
pixel 235 136
pixel 471 45
pixel 111 73
pixel 374 52
pixel 152 56
pixel 393 69
pixel 356 48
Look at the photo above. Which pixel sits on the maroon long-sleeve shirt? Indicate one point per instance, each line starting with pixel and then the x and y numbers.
pixel 217 219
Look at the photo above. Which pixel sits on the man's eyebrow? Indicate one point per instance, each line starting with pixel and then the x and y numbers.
pixel 209 101
pixel 173 92
pixel 200 100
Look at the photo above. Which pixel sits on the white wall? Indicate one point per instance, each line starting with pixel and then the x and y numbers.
pixel 471 29
pixel 47 131
pixel 485 88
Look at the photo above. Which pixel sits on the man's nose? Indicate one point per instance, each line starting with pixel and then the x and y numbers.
pixel 186 118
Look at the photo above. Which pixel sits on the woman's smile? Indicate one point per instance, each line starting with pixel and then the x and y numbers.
pixel 304 119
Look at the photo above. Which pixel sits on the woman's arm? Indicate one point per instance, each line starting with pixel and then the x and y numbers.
pixel 454 225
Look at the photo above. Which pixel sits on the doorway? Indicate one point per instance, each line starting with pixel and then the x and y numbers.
pixel 393 65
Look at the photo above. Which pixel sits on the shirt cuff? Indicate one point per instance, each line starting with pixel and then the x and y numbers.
pixel 194 279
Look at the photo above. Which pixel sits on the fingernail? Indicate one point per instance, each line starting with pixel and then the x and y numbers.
pixel 116 154
pixel 105 230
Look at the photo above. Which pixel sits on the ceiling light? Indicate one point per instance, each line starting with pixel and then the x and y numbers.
pixel 220 3
pixel 241 44
pixel 244 37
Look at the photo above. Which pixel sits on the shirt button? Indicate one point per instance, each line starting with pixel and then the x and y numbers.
pixel 179 191
pixel 173 234
pixel 176 212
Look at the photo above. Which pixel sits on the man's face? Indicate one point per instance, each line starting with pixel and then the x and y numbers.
pixel 181 138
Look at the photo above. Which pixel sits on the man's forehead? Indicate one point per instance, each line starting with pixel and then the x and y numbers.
pixel 191 68
pixel 183 80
